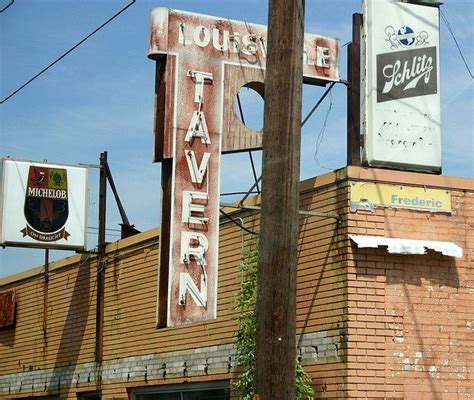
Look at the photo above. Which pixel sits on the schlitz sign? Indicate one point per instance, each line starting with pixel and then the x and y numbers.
pixel 202 62
pixel 404 74
pixel 53 207
pixel 402 107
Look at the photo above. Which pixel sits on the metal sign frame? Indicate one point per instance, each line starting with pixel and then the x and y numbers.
pixel 202 62
pixel 43 205
pixel 401 86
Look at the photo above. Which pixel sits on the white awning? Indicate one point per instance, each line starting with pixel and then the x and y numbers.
pixel 407 246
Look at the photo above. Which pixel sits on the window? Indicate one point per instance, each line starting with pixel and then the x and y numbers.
pixel 88 396
pixel 50 397
pixel 198 391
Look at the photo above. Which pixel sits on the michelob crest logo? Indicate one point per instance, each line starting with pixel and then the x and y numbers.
pixel 46 204
pixel 408 73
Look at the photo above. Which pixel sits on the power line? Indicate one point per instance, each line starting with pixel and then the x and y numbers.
pixel 320 137
pixel 67 52
pixel 237 193
pixel 445 19
pixel 108 234
pixel 8 5
pixel 318 103
pixel 237 222
pixel 107 229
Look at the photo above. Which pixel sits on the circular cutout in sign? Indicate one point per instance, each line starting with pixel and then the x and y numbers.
pixel 251 103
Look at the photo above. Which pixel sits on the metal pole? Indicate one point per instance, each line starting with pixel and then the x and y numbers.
pixel 99 331
pixel 276 296
pixel 127 230
pixel 165 234
pixel 353 93
pixel 46 291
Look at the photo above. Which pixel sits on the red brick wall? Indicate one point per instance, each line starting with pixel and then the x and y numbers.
pixel 411 316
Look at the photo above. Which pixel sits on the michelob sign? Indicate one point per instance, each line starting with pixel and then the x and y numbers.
pixel 401 83
pixel 43 205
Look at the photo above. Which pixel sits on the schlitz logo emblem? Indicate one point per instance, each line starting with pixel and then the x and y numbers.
pixel 408 73
pixel 46 204
pixel 405 37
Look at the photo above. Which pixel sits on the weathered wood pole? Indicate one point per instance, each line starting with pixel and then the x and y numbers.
pixel 276 297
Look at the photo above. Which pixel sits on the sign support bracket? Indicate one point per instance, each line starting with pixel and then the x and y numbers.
pixel 353 93
pixel 301 212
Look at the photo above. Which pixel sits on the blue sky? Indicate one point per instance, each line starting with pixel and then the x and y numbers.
pixel 100 97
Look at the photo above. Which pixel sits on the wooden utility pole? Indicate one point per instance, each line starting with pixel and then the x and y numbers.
pixel 276 298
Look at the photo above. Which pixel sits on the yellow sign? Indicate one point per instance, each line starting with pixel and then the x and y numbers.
pixel 365 195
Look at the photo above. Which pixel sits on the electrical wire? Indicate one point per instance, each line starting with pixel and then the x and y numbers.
pixel 237 222
pixel 445 19
pixel 328 90
pixel 318 103
pixel 320 137
pixel 237 193
pixel 107 229
pixel 67 52
pixel 108 234
pixel 8 5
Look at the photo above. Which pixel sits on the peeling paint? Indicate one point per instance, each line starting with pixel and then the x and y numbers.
pixel 419 354
pixel 406 364
pixel 192 133
pixel 398 332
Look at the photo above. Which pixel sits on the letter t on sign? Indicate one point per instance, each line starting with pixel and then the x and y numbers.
pixel 199 78
pixel 196 84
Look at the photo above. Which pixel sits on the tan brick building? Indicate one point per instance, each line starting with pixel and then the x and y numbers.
pixel 375 318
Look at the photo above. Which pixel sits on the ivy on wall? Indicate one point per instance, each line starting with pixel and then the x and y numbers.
pixel 246 344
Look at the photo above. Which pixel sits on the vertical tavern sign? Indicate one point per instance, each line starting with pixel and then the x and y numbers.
pixel 202 62
pixel 401 83
pixel 43 205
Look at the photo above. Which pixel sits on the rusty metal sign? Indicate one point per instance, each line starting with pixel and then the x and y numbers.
pixel 7 309
pixel 202 62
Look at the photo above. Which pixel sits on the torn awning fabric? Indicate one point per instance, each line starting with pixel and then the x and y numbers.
pixel 407 246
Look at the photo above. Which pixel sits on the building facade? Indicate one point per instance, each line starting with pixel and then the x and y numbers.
pixel 375 318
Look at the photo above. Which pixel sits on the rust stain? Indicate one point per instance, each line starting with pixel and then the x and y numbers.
pixel 231 54
pixel 7 309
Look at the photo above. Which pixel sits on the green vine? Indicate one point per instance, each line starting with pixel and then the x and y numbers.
pixel 246 345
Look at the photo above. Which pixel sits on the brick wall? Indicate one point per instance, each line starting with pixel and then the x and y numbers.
pixel 369 324
pixel 410 316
